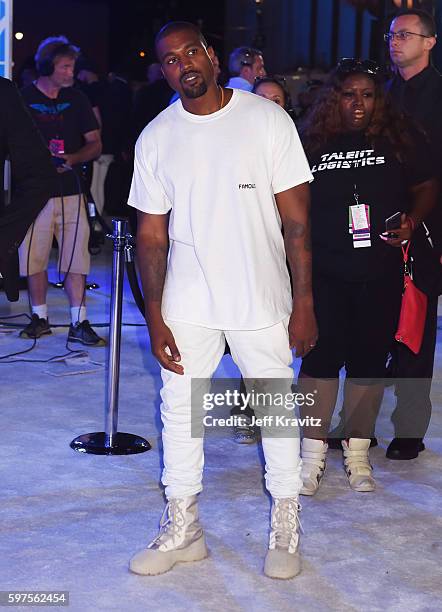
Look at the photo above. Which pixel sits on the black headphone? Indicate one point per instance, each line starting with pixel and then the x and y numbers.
pixel 45 66
pixel 248 56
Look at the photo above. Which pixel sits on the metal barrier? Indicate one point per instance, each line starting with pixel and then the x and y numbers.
pixel 111 441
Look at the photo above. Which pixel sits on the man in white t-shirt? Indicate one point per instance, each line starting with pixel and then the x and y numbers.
pixel 215 174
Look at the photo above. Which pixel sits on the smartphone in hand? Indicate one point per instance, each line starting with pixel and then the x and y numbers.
pixel 392 223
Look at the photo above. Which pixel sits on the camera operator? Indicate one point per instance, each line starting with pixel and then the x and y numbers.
pixel 69 127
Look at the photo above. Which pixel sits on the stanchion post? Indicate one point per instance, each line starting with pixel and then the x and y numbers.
pixel 119 227
pixel 112 442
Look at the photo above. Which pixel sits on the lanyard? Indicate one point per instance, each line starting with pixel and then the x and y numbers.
pixel 356 195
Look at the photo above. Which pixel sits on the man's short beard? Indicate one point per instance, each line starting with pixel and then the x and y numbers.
pixel 195 92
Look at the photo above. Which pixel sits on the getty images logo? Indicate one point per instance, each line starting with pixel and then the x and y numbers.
pixel 246 186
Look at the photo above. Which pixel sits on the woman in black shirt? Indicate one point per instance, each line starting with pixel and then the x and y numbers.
pixel 369 164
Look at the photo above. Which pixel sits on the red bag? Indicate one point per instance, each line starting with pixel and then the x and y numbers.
pixel 413 311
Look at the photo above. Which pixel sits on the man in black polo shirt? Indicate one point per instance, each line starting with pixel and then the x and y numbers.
pixel 417 90
pixel 68 125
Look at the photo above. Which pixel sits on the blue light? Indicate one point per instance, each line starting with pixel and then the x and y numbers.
pixel 2 46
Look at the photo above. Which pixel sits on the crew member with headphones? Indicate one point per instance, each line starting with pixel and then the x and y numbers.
pixel 245 66
pixel 66 120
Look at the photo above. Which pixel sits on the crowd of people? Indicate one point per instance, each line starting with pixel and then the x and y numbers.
pixel 367 151
pixel 227 194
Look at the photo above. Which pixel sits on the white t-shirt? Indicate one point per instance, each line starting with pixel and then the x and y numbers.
pixel 217 175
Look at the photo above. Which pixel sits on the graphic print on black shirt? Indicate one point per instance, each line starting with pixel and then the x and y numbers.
pixel 349 161
pixel 66 119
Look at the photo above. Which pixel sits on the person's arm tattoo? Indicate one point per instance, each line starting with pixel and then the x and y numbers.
pixel 152 251
pixel 294 209
pixel 154 265
pixel 298 250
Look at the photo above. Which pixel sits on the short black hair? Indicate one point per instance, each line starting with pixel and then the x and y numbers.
pixel 177 26
pixel 427 21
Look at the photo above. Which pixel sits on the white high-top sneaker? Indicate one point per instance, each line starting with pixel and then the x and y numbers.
pixel 313 454
pixel 180 538
pixel 283 559
pixel 357 465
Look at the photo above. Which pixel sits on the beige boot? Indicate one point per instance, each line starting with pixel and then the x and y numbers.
pixel 180 538
pixel 313 453
pixel 283 559
pixel 357 465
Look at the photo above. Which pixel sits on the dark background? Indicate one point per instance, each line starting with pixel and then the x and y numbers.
pixel 292 33
pixel 111 32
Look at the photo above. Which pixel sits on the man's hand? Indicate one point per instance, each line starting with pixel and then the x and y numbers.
pixel 89 151
pixel 164 348
pixel 68 157
pixel 66 166
pixel 403 233
pixel 303 329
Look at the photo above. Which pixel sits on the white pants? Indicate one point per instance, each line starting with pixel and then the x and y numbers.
pixel 100 169
pixel 262 353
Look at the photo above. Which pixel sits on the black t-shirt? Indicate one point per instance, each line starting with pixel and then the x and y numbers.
pixel 67 118
pixel 382 183
pixel 114 101
pixel 149 101
pixel 421 98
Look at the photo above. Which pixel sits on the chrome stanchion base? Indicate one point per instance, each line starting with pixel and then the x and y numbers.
pixel 122 444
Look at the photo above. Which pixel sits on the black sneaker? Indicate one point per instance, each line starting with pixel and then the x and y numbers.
pixel 404 449
pixel 83 332
pixel 245 433
pixel 334 440
pixel 36 328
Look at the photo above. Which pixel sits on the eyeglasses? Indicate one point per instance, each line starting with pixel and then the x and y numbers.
pixel 349 64
pixel 402 35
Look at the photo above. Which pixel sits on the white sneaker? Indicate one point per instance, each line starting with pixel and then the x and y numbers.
pixel 283 559
pixel 313 453
pixel 180 538
pixel 357 465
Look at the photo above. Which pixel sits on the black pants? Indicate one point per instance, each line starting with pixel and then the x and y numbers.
pixel 413 374
pixel 356 322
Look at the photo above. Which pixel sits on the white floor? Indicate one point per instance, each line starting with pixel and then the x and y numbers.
pixel 71 521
